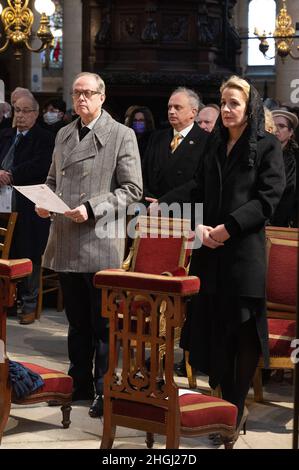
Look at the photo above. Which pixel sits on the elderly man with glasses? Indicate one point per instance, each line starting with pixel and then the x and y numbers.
pixel 96 171
pixel 25 158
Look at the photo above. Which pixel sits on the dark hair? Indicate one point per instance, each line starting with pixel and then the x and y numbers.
pixel 149 118
pixel 56 103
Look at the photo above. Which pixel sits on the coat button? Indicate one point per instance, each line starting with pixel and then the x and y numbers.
pixel 179 172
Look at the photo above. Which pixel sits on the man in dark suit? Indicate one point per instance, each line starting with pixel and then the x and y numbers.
pixel 172 155
pixel 25 158
pixel 172 158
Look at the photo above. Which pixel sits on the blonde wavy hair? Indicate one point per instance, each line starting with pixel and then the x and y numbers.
pixel 237 82
pixel 269 121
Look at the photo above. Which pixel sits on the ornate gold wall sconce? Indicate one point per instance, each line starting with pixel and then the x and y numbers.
pixel 17 20
pixel 283 35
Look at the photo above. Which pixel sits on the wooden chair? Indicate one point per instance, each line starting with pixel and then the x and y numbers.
pixel 7 225
pixel 57 386
pixel 282 285
pixel 144 310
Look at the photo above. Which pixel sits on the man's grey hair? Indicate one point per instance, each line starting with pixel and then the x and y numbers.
pixel 100 82
pixel 192 95
pixel 34 103
pixel 19 92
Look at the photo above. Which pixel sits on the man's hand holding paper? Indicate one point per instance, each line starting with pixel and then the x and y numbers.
pixel 44 198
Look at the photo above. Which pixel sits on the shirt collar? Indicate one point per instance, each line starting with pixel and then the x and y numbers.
pixel 183 132
pixel 92 123
pixel 22 132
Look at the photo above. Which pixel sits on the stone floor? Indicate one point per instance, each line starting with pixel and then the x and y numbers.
pixel 38 426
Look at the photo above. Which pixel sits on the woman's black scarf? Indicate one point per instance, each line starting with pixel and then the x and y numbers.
pixel 256 126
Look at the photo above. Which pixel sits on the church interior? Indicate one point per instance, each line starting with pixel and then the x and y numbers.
pixel 145 52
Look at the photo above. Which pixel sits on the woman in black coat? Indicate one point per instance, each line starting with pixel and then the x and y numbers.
pixel 240 182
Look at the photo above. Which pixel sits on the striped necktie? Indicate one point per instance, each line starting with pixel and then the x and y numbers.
pixel 175 142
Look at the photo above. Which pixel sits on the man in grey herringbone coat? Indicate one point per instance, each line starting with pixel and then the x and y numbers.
pixel 95 170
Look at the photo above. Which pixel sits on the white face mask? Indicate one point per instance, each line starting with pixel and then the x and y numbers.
pixel 51 117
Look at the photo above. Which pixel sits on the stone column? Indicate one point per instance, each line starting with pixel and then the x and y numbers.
pixel 72 41
pixel 287 72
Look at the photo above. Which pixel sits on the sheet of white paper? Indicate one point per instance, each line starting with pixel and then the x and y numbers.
pixel 5 198
pixel 43 197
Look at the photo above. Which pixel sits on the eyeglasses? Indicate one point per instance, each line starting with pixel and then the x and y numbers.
pixel 86 93
pixel 24 111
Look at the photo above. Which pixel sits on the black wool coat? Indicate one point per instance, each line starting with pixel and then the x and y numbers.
pixel 168 176
pixel 245 196
pixel 31 164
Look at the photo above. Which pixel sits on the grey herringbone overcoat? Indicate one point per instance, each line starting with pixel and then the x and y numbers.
pixel 103 169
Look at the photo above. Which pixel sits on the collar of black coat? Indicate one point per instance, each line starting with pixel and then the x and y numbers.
pixel 101 130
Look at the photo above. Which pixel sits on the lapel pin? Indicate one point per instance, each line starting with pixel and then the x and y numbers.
pixel 191 142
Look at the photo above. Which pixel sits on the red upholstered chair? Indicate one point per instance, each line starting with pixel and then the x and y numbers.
pixel 58 386
pixel 282 284
pixel 144 310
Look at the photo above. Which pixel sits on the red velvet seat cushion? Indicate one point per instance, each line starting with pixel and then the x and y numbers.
pixel 183 285
pixel 197 410
pixel 281 333
pixel 55 381
pixel 201 410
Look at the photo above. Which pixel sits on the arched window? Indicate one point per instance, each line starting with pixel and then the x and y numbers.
pixel 261 15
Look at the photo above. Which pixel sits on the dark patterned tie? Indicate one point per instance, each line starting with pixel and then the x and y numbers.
pixel 7 162
pixel 83 132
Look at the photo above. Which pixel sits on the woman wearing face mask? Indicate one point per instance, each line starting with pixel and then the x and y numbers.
pixel 142 121
pixel 240 182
